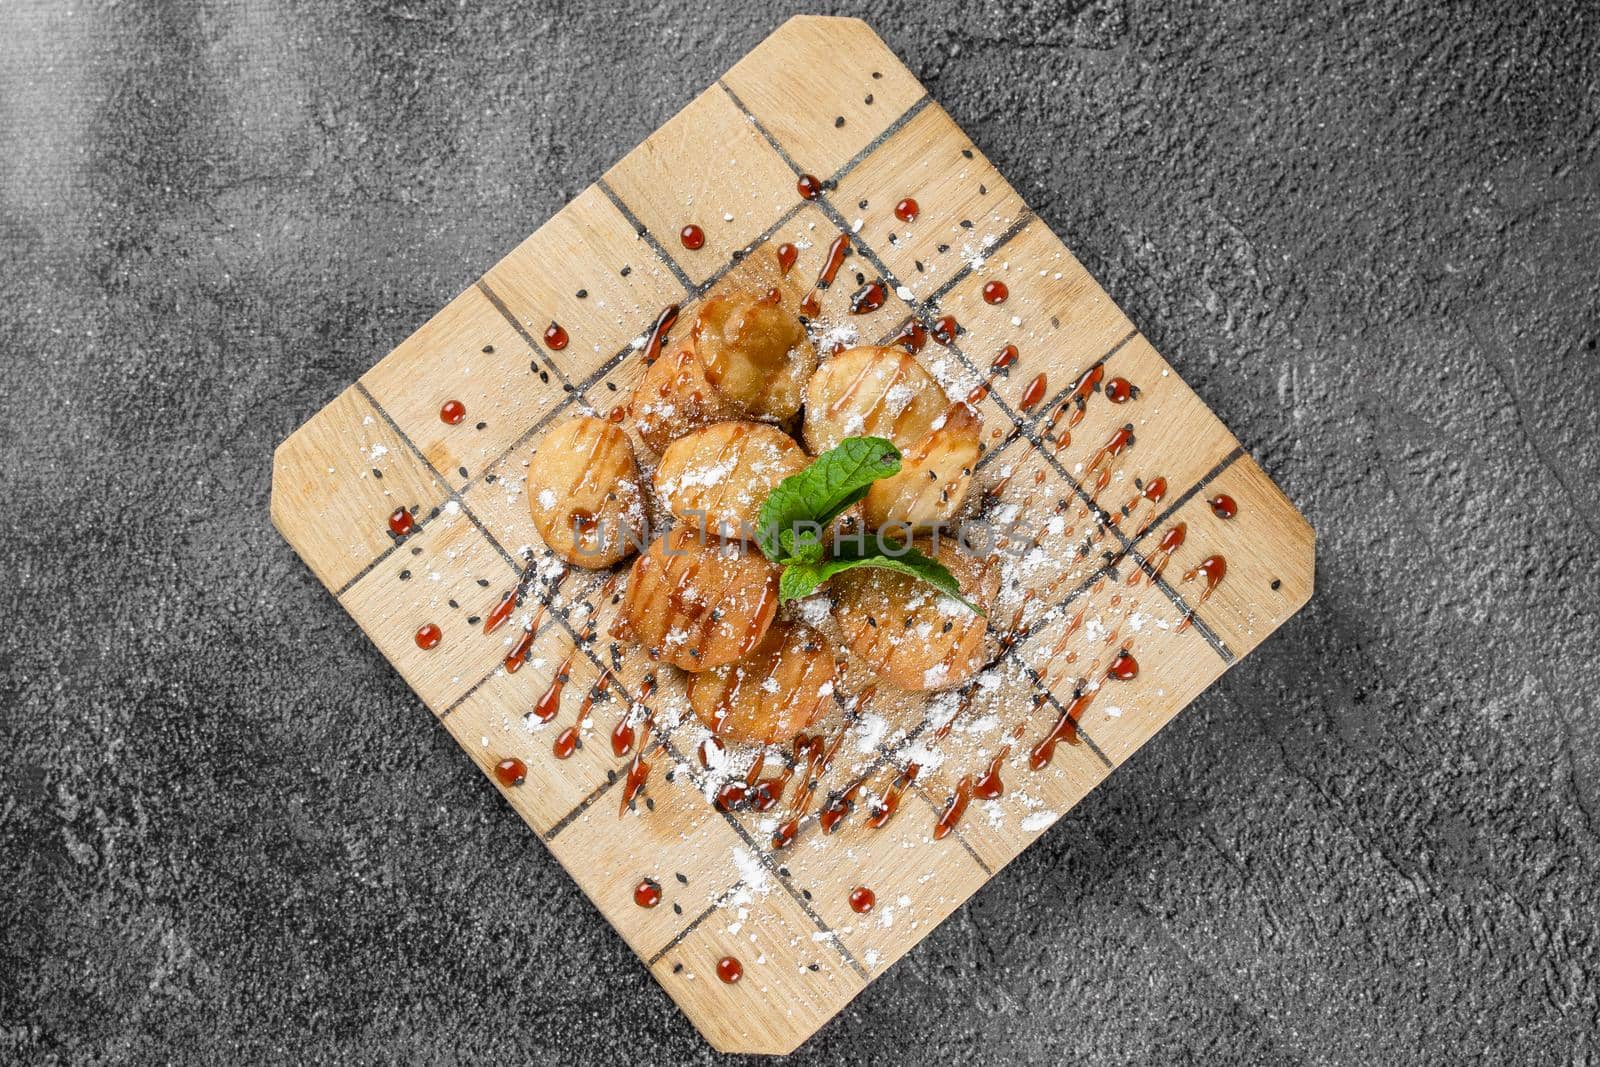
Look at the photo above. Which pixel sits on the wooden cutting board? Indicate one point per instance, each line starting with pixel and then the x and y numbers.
pixel 1150 551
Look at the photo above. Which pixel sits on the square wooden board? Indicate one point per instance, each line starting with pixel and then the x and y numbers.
pixel 1123 566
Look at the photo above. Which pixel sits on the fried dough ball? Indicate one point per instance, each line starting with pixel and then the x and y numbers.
pixel 698 603
pixel 934 474
pixel 871 391
pixel 906 631
pixel 755 353
pixel 673 398
pixel 783 686
pixel 584 492
pixel 718 478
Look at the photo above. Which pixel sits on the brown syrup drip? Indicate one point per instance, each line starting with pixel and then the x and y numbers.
pixel 818 757
pixel 519 651
pixel 638 770
pixel 1119 440
pixel 549 705
pixel 907 210
pixel 731 797
pixel 811 306
pixel 1065 729
pixel 1005 360
pixel 862 900
pixel 868 298
pixel 1123 668
pixel 566 743
pixel 979 391
pixel 787 255
pixel 1120 391
pixel 1213 569
pixel 401 522
pixel 954 808
pixel 838 807
pixel 555 336
pixel 729 970
pixel 500 612
pixel 510 772
pixel 995 292
pixel 1074 406
pixel 946 329
pixel 808 187
pixel 658 333
pixel 1034 392
pixel 883 809
pixel 709 745
pixel 693 237
pixel 912 338
pixel 1223 507
pixel 428 636
pixel 647 894
pixel 452 412
pixel 622 733
pixel 1170 542
pixel 769 791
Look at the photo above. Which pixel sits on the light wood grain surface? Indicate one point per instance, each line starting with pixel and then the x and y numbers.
pixel 821 96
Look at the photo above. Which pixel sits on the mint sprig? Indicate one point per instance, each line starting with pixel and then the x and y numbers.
pixel 792 524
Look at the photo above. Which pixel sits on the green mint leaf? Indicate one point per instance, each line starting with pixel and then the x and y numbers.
pixel 906 560
pixel 798 580
pixel 819 494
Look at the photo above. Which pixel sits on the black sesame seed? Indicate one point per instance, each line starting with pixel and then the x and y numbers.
pixel 813 966
pixel 648 802
pixel 983 190
pixel 491 478
pixel 611 386
pixel 625 271
pixel 806 893
pixel 838 121
pixel 483 426
pixel 461 471
pixel 943 249
pixel 676 967
pixel 454 605
pixel 405 576
pixel 416 550
pixel 376 473
pixel 677 909
pixel 583 294
pixel 862 204
pixel 967 152
pixel 488 349
pixel 483 583
pixel 876 75
pixel 966 224
pixel 683 879
pixel 1276 582
pixel 868 100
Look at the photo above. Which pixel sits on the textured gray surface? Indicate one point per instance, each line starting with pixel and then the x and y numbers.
pixel 1368 235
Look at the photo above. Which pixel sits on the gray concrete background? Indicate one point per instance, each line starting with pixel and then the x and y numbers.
pixel 1368 235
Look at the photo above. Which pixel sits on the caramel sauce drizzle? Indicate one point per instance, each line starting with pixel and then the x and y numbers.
pixel 1213 569
pixel 811 306
pixel 658 333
